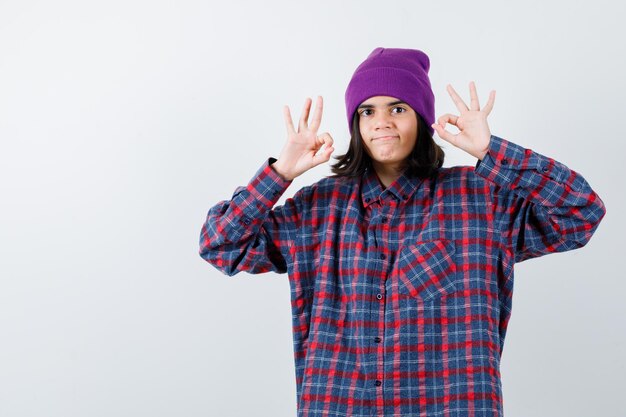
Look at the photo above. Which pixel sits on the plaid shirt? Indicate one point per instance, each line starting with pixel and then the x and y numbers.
pixel 401 296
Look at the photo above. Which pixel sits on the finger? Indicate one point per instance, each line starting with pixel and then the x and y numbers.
pixel 288 121
pixel 489 106
pixel 317 115
pixel 305 115
pixel 325 139
pixel 473 97
pixel 323 156
pixel 447 118
pixel 444 134
pixel 322 143
pixel 328 153
pixel 327 143
pixel 460 104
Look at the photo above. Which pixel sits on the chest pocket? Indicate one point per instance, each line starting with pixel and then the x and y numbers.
pixel 427 270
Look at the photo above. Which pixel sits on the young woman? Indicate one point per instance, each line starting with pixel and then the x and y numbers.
pixel 401 271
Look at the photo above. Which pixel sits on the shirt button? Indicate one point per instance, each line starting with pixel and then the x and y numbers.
pixel 379 296
pixel 504 161
pixel 383 256
pixel 545 169
pixel 384 220
pixel 367 200
pixel 377 339
pixel 378 383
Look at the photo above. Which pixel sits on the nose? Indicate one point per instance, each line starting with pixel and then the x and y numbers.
pixel 382 119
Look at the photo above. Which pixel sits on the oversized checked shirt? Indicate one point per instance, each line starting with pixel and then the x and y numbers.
pixel 401 296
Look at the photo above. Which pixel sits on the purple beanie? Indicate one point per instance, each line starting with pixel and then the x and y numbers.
pixel 400 73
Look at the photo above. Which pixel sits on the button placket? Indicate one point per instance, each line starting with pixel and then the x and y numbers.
pixel 383 226
pixel 380 227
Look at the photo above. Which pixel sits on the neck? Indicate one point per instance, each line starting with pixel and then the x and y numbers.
pixel 387 174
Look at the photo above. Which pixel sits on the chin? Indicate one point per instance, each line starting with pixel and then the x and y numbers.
pixel 388 159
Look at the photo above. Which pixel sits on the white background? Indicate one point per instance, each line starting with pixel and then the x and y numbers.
pixel 123 122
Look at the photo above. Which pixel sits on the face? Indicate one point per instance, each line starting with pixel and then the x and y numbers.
pixel 388 127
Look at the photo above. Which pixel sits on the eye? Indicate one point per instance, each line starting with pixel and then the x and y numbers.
pixel 364 112
pixel 401 108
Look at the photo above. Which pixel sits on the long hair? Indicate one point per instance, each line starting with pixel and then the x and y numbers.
pixel 423 161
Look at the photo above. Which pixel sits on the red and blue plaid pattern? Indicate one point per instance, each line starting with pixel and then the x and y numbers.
pixel 401 296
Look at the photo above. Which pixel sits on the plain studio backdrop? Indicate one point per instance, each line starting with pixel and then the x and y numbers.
pixel 123 122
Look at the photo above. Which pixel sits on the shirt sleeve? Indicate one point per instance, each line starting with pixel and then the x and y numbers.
pixel 245 233
pixel 541 205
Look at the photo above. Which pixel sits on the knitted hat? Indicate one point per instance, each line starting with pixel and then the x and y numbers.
pixel 400 73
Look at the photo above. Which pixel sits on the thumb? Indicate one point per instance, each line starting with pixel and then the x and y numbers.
pixel 325 139
pixel 323 156
pixel 443 133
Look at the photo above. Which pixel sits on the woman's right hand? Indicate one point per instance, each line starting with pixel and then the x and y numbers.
pixel 299 153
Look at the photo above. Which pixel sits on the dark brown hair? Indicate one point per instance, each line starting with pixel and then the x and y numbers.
pixel 423 161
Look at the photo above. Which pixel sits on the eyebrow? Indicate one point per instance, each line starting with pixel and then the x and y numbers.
pixel 370 106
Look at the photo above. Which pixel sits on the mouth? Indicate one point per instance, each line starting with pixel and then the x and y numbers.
pixel 385 138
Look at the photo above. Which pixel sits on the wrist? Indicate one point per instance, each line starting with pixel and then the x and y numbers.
pixel 281 171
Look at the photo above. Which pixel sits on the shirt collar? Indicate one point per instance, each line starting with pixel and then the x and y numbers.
pixel 401 189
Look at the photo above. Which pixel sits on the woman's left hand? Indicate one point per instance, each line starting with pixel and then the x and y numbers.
pixel 474 134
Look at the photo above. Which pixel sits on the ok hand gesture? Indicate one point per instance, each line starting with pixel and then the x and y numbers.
pixel 299 153
pixel 474 133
